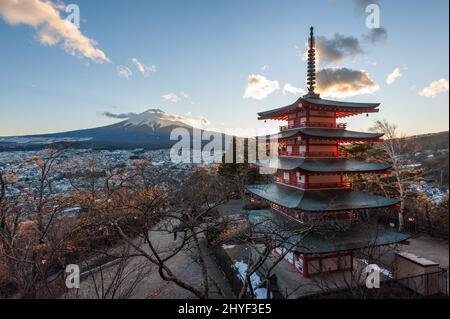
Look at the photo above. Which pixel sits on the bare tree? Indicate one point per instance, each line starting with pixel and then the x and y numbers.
pixel 30 236
pixel 116 279
pixel 392 146
pixel 186 209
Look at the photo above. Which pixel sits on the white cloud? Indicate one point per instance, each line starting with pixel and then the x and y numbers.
pixel 265 68
pixel 171 97
pixel 394 75
pixel 335 49
pixel 145 70
pixel 288 88
pixel 434 88
pixel 51 28
pixel 124 72
pixel 343 82
pixel 176 97
pixel 258 87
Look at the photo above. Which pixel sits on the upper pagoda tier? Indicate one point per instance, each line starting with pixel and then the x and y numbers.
pixel 324 165
pixel 340 108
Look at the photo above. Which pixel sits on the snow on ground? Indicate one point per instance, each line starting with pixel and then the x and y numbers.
pixel 225 246
pixel 255 280
pixel 434 193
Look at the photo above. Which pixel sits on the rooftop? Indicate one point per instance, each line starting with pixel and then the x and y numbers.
pixel 319 201
pixel 327 134
pixel 338 106
pixel 328 165
pixel 358 236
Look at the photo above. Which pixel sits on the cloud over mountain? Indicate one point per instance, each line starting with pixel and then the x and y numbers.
pixel 157 117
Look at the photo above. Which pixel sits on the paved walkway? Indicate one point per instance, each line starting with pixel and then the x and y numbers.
pixel 150 285
pixel 434 249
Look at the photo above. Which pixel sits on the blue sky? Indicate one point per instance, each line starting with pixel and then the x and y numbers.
pixel 204 53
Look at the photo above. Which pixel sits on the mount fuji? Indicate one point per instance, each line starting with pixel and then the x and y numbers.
pixel 150 129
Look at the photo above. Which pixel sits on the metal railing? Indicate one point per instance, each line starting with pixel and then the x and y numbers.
pixel 426 285
pixel 313 154
pixel 338 185
pixel 342 126
pixel 431 285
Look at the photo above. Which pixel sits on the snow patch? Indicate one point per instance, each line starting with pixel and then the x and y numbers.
pixel 225 246
pixel 256 281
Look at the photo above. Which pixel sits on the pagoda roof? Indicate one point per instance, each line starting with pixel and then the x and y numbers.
pixel 319 200
pixel 329 133
pixel 280 111
pixel 326 165
pixel 358 236
pixel 339 106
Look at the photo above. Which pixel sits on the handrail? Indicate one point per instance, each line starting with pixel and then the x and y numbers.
pixel 313 124
pixel 313 154
pixel 333 185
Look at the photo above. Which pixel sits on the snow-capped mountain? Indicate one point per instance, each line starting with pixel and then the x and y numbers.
pixel 150 129
pixel 154 118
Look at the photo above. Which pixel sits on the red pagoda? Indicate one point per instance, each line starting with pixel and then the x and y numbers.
pixel 310 185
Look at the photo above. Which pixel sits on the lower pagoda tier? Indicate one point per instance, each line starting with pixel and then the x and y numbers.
pixel 324 165
pixel 313 252
pixel 319 200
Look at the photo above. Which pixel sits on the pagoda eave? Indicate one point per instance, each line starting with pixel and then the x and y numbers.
pixel 340 106
pixel 342 109
pixel 358 236
pixel 325 166
pixel 319 200
pixel 280 113
pixel 342 136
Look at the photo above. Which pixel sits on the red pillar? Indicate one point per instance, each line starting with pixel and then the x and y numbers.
pixel 305 266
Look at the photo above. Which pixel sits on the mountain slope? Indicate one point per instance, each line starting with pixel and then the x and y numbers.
pixel 150 129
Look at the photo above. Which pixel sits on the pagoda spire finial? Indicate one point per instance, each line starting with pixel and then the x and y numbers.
pixel 311 80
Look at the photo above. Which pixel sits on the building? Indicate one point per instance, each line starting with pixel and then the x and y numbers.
pixel 310 187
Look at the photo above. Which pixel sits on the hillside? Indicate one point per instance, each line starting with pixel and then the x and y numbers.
pixel 427 142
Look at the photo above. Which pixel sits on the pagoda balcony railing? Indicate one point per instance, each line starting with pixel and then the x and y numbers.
pixel 342 126
pixel 344 184
pixel 317 219
pixel 310 186
pixel 314 154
